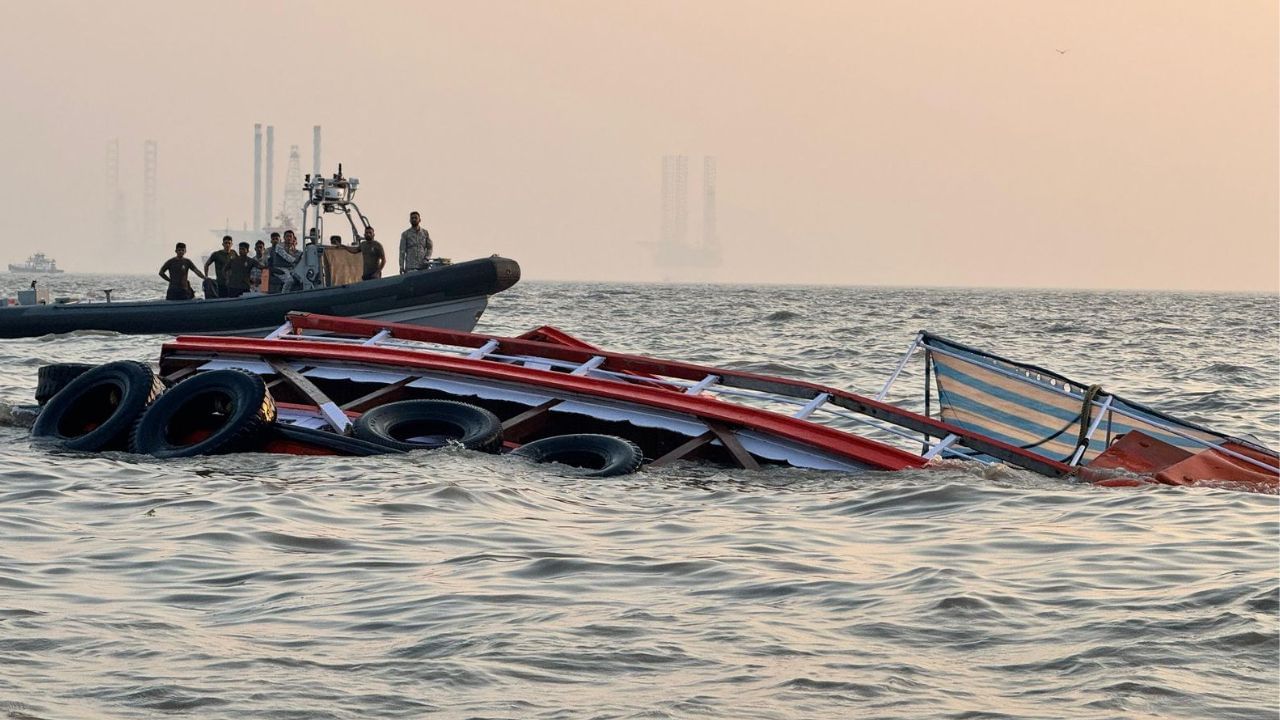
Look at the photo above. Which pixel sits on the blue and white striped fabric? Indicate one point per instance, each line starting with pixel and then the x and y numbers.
pixel 1030 407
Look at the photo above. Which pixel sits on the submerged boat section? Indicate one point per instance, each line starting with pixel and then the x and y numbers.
pixel 325 370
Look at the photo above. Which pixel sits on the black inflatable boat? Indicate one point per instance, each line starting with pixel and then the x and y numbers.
pixel 451 297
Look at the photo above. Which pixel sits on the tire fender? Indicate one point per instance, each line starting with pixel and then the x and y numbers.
pixel 219 411
pixel 96 410
pixel 430 424
pixel 52 378
pixel 599 455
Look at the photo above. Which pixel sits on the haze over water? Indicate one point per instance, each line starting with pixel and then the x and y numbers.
pixel 992 143
pixel 453 584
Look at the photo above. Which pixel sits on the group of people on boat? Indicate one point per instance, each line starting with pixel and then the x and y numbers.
pixel 284 267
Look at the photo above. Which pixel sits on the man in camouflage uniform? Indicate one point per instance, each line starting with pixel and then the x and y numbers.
pixel 415 245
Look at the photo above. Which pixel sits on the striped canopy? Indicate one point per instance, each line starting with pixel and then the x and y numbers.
pixel 1042 411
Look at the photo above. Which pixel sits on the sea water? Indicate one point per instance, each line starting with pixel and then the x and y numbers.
pixel 458 585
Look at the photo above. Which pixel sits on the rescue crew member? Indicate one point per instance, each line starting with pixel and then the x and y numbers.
pixel 274 281
pixel 174 271
pixel 239 269
pixel 284 259
pixel 219 260
pixel 371 255
pixel 415 245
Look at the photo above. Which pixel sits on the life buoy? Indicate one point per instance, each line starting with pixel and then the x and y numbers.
pixel 219 411
pixel 331 441
pixel 600 455
pixel 96 410
pixel 52 378
pixel 430 424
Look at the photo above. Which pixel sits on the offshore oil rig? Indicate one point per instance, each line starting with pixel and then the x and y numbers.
pixel 675 255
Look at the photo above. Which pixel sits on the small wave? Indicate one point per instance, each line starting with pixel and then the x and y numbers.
pixel 52 337
pixel 1059 328
pixel 17 415
pixel 1230 372
pixel 834 686
pixel 298 543
pixel 781 316
pixel 1267 602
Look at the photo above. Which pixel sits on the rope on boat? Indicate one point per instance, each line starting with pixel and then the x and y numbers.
pixel 1083 419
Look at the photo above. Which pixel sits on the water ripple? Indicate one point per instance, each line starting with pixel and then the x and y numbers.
pixel 460 585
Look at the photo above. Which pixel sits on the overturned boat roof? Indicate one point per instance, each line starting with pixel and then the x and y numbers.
pixel 678 410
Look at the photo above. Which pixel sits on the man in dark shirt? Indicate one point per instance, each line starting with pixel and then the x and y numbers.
pixel 239 269
pixel 174 271
pixel 219 260
pixel 273 280
pixel 371 253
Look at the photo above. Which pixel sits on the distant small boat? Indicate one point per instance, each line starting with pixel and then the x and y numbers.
pixel 37 263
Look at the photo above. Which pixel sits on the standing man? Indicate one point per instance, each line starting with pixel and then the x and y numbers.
pixel 174 271
pixel 274 281
pixel 260 264
pixel 284 259
pixel 415 245
pixel 238 271
pixel 219 260
pixel 371 255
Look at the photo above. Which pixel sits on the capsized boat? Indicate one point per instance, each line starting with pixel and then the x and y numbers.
pixel 325 372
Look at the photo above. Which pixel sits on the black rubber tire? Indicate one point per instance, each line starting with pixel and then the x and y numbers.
pixel 333 441
pixel 233 406
pixel 96 410
pixel 53 378
pixel 433 424
pixel 600 455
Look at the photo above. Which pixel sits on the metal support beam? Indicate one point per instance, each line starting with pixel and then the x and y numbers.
pixel 181 374
pixel 725 435
pixel 284 329
pixel 588 366
pixel 334 415
pixel 940 446
pixel 528 421
pixel 381 335
pixel 683 449
pixel 812 405
pixel 716 431
pixel 1093 428
pixel 884 392
pixel 703 384
pixel 483 350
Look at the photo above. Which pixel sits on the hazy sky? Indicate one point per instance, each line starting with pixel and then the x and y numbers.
pixel 860 143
